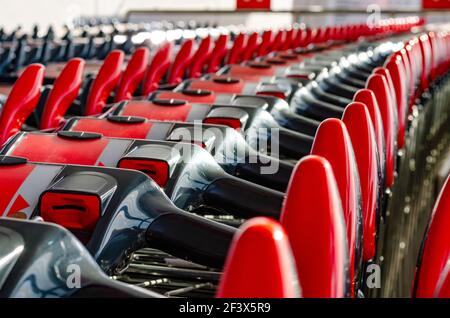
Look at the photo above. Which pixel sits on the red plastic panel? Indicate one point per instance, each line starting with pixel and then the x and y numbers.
pixel 218 54
pixel 9 186
pixel 264 272
pixel 64 91
pixel 59 208
pixel 313 218
pixel 201 58
pixel 107 79
pixel 133 75
pixel 158 170
pixel 191 98
pixel 333 143
pixel 112 129
pixel 251 73
pixel 152 111
pixel 218 87
pixel 436 250
pixel 21 101
pixel 377 83
pixel 51 148
pixel 157 69
pixel 359 126
pixel 181 63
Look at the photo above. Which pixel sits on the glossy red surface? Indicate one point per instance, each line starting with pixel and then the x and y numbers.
pixel 133 75
pixel 51 148
pixel 191 98
pixel 266 43
pixel 65 90
pixel 367 97
pixel 112 129
pixel 427 61
pixel 278 41
pixel 288 40
pixel 332 142
pixel 399 79
pixel 218 54
pixel 201 58
pixel 153 111
pixel 264 272
pixel 313 219
pixel 218 87
pixel 21 101
pixel 443 287
pixel 377 83
pixel 236 51
pixel 17 174
pixel 157 69
pixel 251 47
pixel 181 62
pixel 359 126
pixel 436 250
pixel 105 82
pixel 74 211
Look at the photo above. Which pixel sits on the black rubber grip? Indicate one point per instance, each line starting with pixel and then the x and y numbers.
pixel 242 198
pixel 191 237
pixel 293 144
pixel 254 171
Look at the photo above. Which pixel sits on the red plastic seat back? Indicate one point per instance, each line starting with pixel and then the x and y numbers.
pixel 392 95
pixel 367 97
pixel 21 101
pixel 65 89
pixel 133 75
pixel 317 36
pixel 377 83
pixel 218 54
pixel 235 54
pixel 307 38
pixel 181 62
pixel 436 250
pixel 332 142
pixel 399 79
pixel 157 69
pixel 200 58
pixel 427 60
pixel 105 82
pixel 298 39
pixel 260 263
pixel 278 41
pixel 266 43
pixel 313 219
pixel 357 119
pixel 288 40
pixel 251 47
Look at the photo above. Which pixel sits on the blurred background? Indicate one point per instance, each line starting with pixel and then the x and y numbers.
pixel 222 12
